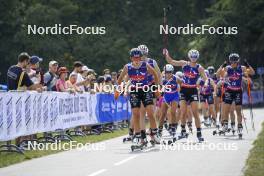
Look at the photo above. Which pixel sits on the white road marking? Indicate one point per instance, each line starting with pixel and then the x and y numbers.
pixel 97 172
pixel 125 160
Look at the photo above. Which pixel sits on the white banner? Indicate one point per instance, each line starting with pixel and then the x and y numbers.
pixel 25 113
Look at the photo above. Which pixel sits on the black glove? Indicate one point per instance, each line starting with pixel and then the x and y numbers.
pixel 246 63
pixel 224 64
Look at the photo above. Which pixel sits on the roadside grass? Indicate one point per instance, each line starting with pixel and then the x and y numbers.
pixel 255 161
pixel 7 159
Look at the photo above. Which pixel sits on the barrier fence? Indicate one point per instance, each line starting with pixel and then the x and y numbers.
pixel 26 113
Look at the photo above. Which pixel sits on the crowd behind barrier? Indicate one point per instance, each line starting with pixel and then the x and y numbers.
pixel 30 112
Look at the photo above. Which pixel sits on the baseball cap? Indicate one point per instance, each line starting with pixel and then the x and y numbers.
pixel 85 68
pixel 53 63
pixel 78 64
pixel 35 59
pixel 108 78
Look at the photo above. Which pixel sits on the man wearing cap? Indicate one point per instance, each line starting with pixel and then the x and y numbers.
pixel 51 77
pixel 78 70
pixel 34 70
pixel 17 78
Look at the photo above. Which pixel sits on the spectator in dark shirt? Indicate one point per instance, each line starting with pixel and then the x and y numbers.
pixel 17 78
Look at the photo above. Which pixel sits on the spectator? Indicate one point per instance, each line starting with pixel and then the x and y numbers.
pixel 108 84
pixel 50 78
pixel 34 69
pixel 17 78
pixel 85 70
pixel 114 78
pixel 80 81
pixel 106 72
pixel 61 85
pixel 100 83
pixel 91 87
pixel 71 83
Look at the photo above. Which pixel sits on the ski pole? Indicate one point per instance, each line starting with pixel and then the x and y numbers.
pixel 250 104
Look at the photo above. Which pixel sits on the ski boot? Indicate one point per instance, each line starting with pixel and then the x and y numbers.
pixel 233 128
pixel 213 122
pixel 224 128
pixel 189 124
pixel 130 136
pixel 166 125
pixel 239 131
pixel 207 122
pixel 160 131
pixel 144 136
pixel 155 139
pixel 138 143
pixel 173 134
pixel 169 129
pixel 183 133
pixel 199 135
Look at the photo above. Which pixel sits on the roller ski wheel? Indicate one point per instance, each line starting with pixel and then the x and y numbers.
pixel 233 132
pixel 170 142
pixel 228 130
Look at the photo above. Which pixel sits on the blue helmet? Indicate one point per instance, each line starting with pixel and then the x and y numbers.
pixel 135 52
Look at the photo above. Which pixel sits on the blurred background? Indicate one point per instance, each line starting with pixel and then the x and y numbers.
pixel 129 23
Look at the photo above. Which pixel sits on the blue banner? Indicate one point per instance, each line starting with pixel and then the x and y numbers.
pixel 111 110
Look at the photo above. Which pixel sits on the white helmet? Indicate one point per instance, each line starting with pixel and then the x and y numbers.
pixel 193 55
pixel 168 68
pixel 179 74
pixel 143 49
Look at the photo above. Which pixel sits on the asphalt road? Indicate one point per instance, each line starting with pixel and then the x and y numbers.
pixel 218 156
